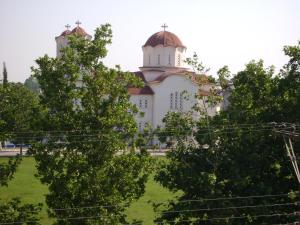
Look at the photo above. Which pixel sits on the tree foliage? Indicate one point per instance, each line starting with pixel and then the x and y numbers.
pixel 18 110
pixel 32 84
pixel 5 79
pixel 84 159
pixel 20 113
pixel 238 154
pixel 14 212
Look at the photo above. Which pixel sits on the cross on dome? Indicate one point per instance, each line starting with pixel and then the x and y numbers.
pixel 164 26
pixel 78 23
pixel 67 26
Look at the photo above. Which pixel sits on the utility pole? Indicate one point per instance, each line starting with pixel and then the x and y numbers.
pixel 289 133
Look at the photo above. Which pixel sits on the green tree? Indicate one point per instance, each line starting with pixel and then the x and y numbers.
pixel 13 112
pixel 236 155
pixel 289 87
pixel 85 159
pixel 13 211
pixel 20 113
pixel 5 81
pixel 224 75
pixel 32 84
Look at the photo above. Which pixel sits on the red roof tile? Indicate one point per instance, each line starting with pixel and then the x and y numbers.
pixel 166 74
pixel 146 90
pixel 79 30
pixel 66 32
pixel 140 75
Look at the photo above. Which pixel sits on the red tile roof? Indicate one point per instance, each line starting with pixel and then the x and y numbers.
pixel 204 93
pixel 65 33
pixel 146 90
pixel 164 38
pixel 140 75
pixel 79 30
pixel 166 74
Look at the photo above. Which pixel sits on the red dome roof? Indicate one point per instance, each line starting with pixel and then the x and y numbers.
pixel 164 38
pixel 65 33
pixel 79 30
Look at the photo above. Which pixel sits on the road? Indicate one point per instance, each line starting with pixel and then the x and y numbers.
pixel 12 152
pixel 16 151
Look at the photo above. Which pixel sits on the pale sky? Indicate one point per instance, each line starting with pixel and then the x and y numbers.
pixel 222 32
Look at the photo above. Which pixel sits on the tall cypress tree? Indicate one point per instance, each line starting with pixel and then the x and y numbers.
pixel 5 81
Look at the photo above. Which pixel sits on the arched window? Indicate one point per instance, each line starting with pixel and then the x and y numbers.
pixel 158 59
pixel 149 62
pixel 178 60
pixel 169 59
pixel 176 100
pixel 181 101
pixel 171 100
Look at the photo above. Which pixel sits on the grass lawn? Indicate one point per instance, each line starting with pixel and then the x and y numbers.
pixel 29 188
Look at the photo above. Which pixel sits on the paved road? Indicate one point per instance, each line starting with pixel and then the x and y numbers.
pixel 16 151
pixel 12 152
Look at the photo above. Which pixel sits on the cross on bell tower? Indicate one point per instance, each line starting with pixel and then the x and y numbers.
pixel 164 26
pixel 67 26
pixel 78 23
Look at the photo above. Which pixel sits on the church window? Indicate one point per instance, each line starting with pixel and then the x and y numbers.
pixel 181 101
pixel 178 60
pixel 176 100
pixel 169 59
pixel 141 103
pixel 158 59
pixel 149 62
pixel 171 100
pixel 146 103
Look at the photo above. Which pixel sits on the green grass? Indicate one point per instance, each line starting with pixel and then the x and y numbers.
pixel 29 188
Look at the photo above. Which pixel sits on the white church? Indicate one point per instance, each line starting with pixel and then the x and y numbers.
pixel 168 84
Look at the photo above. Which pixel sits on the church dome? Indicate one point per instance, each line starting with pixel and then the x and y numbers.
pixel 79 30
pixel 65 33
pixel 164 38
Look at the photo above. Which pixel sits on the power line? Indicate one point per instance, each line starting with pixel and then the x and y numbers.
pixel 233 198
pixel 209 219
pixel 232 207
pixel 166 134
pixel 231 218
pixel 73 208
pixel 95 132
pixel 230 126
pixel 192 200
pixel 67 218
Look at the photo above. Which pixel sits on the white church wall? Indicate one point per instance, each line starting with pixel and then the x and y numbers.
pixel 179 57
pixel 145 106
pixel 210 110
pixel 160 56
pixel 161 101
pixel 151 74
pixel 61 42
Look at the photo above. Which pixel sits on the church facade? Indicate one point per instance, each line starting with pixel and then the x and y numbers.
pixel 169 86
